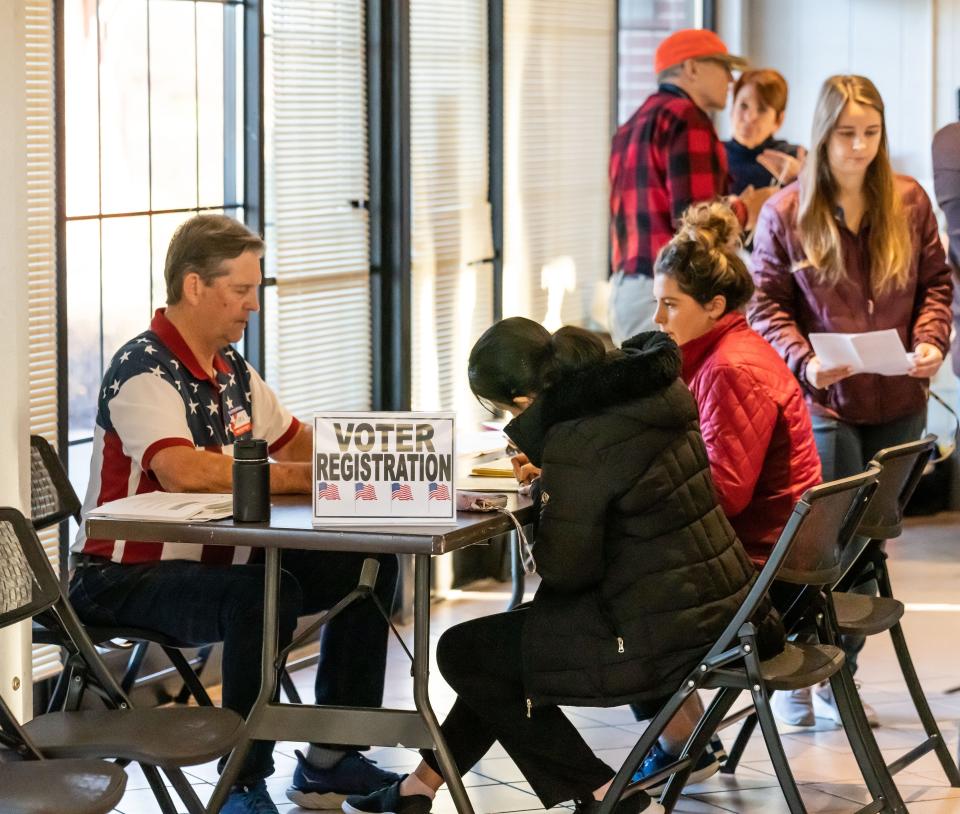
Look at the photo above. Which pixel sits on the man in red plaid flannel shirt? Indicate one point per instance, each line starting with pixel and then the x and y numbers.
pixel 666 157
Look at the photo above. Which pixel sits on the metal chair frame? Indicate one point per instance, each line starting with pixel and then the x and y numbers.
pixel 899 471
pixel 733 664
pixel 47 598
pixel 72 682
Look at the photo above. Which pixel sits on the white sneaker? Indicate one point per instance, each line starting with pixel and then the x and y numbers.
pixel 793 707
pixel 825 706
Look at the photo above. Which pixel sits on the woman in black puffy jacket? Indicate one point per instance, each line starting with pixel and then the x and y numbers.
pixel 640 570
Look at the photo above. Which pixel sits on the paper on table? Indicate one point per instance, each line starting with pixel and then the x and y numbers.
pixel 500 468
pixel 472 484
pixel 169 507
pixel 871 352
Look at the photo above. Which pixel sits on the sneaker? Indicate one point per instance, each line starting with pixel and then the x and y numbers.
pixel 793 707
pixel 327 788
pixel 657 759
pixel 249 800
pixel 635 804
pixel 825 706
pixel 387 801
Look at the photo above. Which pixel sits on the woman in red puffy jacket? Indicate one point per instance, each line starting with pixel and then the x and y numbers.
pixel 753 418
pixel 752 413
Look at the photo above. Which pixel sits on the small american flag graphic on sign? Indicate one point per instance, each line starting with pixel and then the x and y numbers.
pixel 439 491
pixel 327 491
pixel 400 491
pixel 364 491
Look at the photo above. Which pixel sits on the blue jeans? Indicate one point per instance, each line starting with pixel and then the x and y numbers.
pixel 846 449
pixel 201 604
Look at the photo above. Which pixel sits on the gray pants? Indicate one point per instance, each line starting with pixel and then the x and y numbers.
pixel 846 449
pixel 631 306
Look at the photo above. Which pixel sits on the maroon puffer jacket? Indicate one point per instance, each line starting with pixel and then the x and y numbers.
pixel 790 304
pixel 756 428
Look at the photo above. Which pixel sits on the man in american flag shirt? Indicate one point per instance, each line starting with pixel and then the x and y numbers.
pixel 172 402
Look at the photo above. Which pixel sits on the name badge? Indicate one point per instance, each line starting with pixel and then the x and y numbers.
pixel 240 422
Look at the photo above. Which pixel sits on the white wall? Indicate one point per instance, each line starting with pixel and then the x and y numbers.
pixel 14 423
pixel 907 47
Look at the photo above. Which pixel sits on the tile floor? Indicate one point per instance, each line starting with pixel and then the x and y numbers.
pixel 925 568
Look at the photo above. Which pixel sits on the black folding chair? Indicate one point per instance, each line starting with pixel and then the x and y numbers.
pixel 807 555
pixel 53 500
pixel 158 739
pixel 900 470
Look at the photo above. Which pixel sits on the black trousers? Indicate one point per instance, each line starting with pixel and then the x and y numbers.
pixel 201 604
pixel 481 660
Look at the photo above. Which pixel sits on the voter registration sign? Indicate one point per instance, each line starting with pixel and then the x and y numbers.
pixel 383 468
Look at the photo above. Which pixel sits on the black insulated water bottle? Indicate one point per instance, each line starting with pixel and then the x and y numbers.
pixel 251 481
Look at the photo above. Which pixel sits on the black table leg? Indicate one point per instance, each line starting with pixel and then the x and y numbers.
pixel 421 680
pixel 268 680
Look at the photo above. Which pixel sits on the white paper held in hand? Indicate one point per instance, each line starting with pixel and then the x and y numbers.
pixel 871 352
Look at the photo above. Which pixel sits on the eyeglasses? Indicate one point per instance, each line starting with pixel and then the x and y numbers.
pixel 490 406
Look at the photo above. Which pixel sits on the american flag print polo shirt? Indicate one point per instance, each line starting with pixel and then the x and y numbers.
pixel 156 395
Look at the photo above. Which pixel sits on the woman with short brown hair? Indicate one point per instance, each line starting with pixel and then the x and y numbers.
pixel 754 156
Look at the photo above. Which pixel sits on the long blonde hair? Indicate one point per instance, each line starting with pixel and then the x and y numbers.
pixel 889 245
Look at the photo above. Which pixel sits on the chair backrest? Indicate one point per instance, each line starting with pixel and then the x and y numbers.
pixel 28 584
pixel 815 554
pixel 901 468
pixel 809 548
pixel 52 498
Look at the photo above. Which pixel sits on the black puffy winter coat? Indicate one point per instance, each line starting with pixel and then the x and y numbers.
pixel 640 569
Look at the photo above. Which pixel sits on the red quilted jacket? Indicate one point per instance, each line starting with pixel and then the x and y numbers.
pixel 756 428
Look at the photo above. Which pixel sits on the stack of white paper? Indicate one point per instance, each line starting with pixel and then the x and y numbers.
pixel 872 352
pixel 172 507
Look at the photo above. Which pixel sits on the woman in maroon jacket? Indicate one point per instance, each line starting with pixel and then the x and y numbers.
pixel 752 414
pixel 848 248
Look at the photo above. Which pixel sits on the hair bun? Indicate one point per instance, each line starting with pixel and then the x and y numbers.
pixel 713 225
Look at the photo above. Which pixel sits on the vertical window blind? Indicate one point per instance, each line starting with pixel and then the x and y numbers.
pixel 452 286
pixel 318 311
pixel 42 255
pixel 558 57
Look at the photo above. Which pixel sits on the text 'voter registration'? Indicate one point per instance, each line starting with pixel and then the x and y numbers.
pixel 406 453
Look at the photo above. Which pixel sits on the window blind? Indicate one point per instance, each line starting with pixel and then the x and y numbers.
pixel 42 256
pixel 318 328
pixel 452 285
pixel 558 57
pixel 643 24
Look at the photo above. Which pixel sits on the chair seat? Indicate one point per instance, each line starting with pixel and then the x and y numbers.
pixel 169 736
pixel 866 615
pixel 799 665
pixel 60 787
pixel 101 635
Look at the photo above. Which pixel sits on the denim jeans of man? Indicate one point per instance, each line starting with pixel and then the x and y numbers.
pixel 846 449
pixel 200 604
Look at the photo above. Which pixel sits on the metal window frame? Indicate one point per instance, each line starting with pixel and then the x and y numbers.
pixel 495 150
pixel 251 133
pixel 390 204
pixel 254 348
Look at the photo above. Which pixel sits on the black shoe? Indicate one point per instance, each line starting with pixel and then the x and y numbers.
pixel 635 804
pixel 388 801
